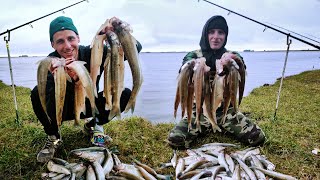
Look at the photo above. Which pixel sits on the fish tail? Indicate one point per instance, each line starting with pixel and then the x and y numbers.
pixel 107 106
pixel 115 112
pixel 130 105
pixel 189 125
pixel 133 106
pixel 215 127
pixel 76 122
pixel 198 125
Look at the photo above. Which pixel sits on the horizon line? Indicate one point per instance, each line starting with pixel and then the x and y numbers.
pixel 246 50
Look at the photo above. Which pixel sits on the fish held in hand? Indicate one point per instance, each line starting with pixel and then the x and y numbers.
pixel 60 83
pixel 42 74
pixel 185 91
pixel 84 77
pixel 96 54
pixel 117 73
pixel 128 43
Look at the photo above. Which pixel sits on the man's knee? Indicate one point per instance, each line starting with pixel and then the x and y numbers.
pixel 244 129
pixel 254 137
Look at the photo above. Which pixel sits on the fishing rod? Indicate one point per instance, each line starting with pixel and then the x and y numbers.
pixel 9 57
pixel 265 25
pixel 294 32
pixel 9 30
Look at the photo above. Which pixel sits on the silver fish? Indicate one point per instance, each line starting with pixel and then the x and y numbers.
pixel 117 73
pixel 108 162
pixel 128 43
pixel 96 55
pixel 42 74
pixel 107 90
pixel 275 174
pixel 243 165
pixel 60 82
pixel 179 167
pixel 146 175
pixel 83 74
pixel 79 101
pixel 223 162
pixel 98 170
pixel 90 175
pixel 53 167
pixel 199 69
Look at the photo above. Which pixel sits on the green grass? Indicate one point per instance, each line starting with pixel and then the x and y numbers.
pixel 290 138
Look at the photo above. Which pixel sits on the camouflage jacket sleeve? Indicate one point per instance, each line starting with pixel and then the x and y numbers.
pixel 192 55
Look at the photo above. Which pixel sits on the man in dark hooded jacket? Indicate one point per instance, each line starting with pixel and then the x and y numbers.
pixel 212 43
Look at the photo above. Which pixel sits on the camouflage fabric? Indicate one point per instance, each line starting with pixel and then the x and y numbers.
pixel 245 130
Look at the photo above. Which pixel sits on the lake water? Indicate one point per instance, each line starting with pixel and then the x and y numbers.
pixel 156 98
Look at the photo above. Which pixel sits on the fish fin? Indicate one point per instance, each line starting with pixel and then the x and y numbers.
pixel 107 107
pixel 76 122
pixel 115 112
pixel 132 107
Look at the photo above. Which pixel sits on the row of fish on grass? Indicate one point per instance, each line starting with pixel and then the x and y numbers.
pixel 222 161
pixel 195 85
pixel 98 163
pixel 120 44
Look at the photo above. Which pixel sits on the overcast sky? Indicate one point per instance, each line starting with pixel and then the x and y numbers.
pixel 163 25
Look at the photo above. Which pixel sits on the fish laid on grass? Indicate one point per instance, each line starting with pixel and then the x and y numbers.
pixel 99 163
pixel 275 174
pixel 226 164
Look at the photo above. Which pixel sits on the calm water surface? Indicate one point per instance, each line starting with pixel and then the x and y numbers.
pixel 156 97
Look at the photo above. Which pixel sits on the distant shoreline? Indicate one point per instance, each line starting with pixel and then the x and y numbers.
pixel 250 51
pixel 237 51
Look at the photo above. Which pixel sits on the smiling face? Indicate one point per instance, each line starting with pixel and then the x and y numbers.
pixel 216 38
pixel 66 43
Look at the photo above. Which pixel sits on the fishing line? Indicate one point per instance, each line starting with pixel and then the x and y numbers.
pixel 294 32
pixel 9 30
